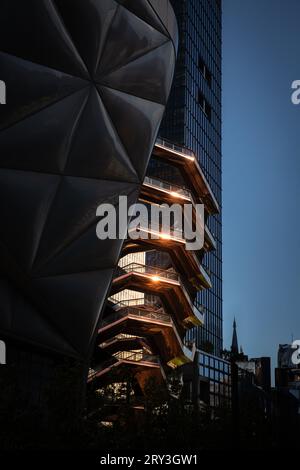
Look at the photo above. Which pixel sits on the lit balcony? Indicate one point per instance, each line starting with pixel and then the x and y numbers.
pixel 143 366
pixel 187 162
pixel 186 262
pixel 140 325
pixel 158 189
pixel 122 341
pixel 166 284
pixel 155 190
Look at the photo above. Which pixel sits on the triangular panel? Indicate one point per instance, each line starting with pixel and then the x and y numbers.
pixel 29 151
pixel 136 78
pixel 138 38
pixel 145 115
pixel 97 151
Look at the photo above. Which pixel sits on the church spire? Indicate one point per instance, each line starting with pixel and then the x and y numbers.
pixel 234 344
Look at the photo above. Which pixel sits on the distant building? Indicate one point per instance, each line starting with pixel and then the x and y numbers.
pixel 284 356
pixel 286 398
pixel 287 375
pixel 234 342
pixel 260 368
pixel 207 381
pixel 251 380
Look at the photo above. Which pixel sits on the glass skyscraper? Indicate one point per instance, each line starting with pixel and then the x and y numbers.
pixel 193 119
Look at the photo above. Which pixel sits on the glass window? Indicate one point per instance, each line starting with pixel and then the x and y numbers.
pixel 204 104
pixel 204 70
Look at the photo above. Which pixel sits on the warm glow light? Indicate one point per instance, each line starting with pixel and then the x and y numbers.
pixel 177 195
pixel 165 236
pixel 181 154
pixel 155 278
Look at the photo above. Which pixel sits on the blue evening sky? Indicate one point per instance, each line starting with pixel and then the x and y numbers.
pixel 261 173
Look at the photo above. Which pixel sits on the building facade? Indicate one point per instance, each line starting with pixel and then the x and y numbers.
pixel 208 381
pixel 78 131
pixel 151 307
pixel 192 125
pixel 193 119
